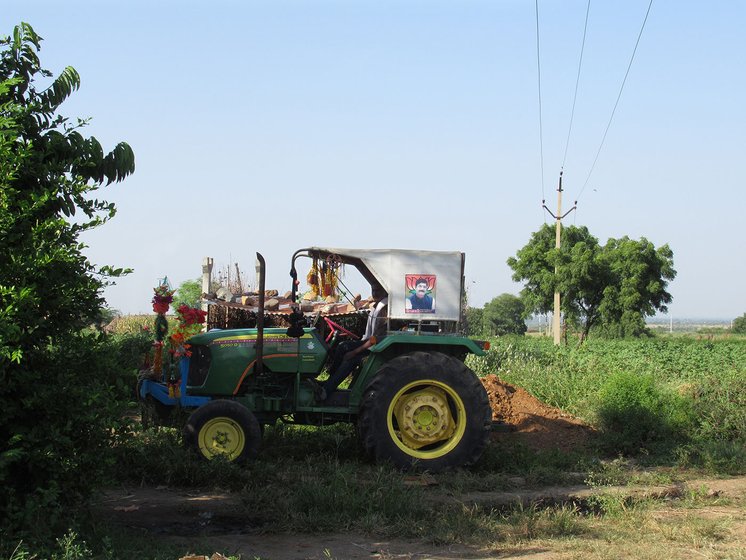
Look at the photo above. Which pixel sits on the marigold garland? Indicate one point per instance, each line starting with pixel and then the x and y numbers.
pixel 323 278
pixel 312 279
pixel 162 298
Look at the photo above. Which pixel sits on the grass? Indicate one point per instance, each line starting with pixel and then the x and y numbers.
pixel 315 480
pixel 568 376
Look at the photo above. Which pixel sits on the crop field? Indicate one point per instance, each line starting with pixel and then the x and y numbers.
pixel 703 376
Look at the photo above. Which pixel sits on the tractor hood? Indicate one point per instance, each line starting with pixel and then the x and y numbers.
pixel 422 285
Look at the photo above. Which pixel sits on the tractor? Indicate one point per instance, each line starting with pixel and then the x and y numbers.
pixel 414 401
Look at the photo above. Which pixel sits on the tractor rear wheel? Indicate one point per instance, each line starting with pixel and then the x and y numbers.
pixel 224 428
pixel 427 411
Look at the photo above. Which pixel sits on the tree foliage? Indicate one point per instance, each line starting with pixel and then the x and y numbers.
pixel 638 275
pixel 612 287
pixel 504 315
pixel 188 293
pixel 739 324
pixel 473 322
pixel 54 403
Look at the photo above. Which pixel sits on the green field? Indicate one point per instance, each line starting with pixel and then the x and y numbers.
pixel 667 394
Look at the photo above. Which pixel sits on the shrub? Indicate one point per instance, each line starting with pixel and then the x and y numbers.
pixel 635 413
pixel 720 405
pixel 716 456
pixel 58 409
pixel 65 413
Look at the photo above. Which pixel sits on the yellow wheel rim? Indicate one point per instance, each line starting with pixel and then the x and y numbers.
pixel 221 436
pixel 426 419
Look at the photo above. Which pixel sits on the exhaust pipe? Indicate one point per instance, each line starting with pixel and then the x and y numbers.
pixel 259 348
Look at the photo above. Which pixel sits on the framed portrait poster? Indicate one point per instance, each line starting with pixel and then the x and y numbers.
pixel 419 293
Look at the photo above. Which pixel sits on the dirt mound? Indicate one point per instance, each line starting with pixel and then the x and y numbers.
pixel 532 422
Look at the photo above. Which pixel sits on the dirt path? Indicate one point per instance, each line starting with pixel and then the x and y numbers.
pixel 218 518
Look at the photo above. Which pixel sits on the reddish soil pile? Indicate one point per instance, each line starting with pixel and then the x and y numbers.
pixel 532 422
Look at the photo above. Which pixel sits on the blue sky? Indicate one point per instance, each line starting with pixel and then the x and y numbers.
pixel 270 126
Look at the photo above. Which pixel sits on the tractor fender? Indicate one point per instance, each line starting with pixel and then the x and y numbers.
pixel 398 344
pixel 446 343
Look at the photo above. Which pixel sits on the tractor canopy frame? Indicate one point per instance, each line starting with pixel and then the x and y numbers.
pixel 421 285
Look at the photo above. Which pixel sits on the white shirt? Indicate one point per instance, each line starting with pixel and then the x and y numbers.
pixel 370 328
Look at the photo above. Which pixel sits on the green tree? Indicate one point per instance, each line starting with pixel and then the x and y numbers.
pixel 739 324
pixel 580 274
pixel 613 286
pixel 54 409
pixel 188 293
pixel 504 315
pixel 638 275
pixel 474 321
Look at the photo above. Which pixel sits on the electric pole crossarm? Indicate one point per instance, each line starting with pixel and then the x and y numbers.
pixel 544 206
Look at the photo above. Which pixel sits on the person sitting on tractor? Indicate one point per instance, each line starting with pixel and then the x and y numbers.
pixel 350 354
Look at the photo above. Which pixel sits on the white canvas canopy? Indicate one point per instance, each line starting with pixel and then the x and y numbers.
pixel 421 285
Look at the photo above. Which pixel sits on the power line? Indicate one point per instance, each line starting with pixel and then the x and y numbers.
pixel 577 81
pixel 624 81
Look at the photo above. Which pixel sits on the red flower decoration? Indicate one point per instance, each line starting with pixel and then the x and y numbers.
pixel 191 315
pixel 162 298
pixel 160 307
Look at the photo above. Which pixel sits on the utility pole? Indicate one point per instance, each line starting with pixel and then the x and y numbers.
pixel 556 326
pixel 556 319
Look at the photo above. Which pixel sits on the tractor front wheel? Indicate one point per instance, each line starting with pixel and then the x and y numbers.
pixel 223 428
pixel 425 410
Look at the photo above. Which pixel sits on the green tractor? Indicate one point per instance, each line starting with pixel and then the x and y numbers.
pixel 414 401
